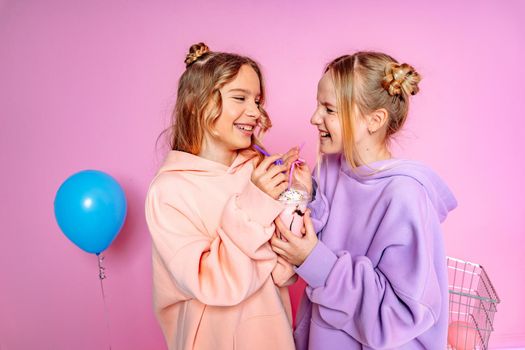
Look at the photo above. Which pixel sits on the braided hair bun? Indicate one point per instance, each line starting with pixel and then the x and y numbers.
pixel 401 79
pixel 196 51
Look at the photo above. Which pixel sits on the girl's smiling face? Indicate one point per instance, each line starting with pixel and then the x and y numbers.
pixel 325 117
pixel 240 114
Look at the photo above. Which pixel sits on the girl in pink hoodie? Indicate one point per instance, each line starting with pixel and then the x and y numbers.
pixel 210 211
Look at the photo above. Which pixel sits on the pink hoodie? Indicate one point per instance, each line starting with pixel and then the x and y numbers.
pixel 217 283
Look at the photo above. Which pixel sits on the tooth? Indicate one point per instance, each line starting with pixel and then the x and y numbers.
pixel 245 127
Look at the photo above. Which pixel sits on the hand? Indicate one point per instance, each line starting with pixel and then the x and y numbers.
pixel 295 249
pixel 303 175
pixel 271 178
pixel 291 156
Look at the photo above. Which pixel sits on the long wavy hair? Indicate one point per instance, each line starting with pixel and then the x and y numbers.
pixel 199 102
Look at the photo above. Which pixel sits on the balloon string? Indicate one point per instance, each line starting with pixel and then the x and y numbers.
pixel 101 277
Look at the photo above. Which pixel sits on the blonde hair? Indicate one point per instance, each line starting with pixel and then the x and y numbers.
pixel 199 102
pixel 365 82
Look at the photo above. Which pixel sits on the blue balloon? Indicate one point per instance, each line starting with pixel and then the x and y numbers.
pixel 90 209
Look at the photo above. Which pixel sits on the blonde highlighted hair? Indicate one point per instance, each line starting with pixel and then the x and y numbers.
pixel 365 82
pixel 199 102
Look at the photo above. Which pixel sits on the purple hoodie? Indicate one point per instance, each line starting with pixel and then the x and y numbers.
pixel 377 279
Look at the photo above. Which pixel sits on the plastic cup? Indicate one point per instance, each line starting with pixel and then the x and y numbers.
pixel 295 202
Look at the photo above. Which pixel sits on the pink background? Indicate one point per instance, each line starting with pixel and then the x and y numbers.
pixel 91 85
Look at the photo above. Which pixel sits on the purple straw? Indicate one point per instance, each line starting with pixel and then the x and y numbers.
pixel 277 162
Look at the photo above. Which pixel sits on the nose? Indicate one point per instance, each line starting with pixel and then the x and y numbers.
pixel 316 118
pixel 253 110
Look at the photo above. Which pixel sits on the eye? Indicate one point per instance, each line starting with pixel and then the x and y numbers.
pixel 239 98
pixel 327 107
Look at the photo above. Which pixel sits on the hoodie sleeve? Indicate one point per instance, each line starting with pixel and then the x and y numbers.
pixel 387 305
pixel 219 271
pixel 283 274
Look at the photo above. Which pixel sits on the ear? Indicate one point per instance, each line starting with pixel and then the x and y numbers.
pixel 377 119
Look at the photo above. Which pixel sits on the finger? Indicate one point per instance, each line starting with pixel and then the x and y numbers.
pixel 265 164
pixel 302 167
pixel 308 224
pixel 284 258
pixel 267 179
pixel 289 159
pixel 301 175
pixel 303 172
pixel 289 236
pixel 276 191
pixel 276 169
pixel 292 152
pixel 277 233
pixel 281 253
pixel 256 174
pixel 276 242
pixel 277 180
pixel 280 224
pixel 281 259
pixel 283 168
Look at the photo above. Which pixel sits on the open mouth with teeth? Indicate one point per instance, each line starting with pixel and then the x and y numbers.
pixel 324 134
pixel 245 128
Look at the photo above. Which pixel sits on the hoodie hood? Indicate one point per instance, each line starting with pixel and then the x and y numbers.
pixel 187 162
pixel 437 190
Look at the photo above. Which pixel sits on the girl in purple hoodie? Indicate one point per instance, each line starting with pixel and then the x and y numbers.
pixel 372 253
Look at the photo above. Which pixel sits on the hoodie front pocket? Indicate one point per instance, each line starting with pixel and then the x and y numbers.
pixel 330 338
pixel 264 332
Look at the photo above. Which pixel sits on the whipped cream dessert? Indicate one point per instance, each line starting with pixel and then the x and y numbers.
pixel 295 202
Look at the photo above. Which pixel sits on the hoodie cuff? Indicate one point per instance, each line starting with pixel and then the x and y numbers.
pixel 259 206
pixel 317 266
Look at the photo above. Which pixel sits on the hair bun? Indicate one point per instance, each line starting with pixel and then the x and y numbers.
pixel 401 78
pixel 196 51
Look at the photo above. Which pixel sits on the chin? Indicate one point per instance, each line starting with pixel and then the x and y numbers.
pixel 329 149
pixel 241 144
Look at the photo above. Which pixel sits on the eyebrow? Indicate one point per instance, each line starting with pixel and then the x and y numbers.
pixel 247 92
pixel 326 103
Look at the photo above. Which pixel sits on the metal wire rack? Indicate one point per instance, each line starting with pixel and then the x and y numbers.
pixel 472 305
